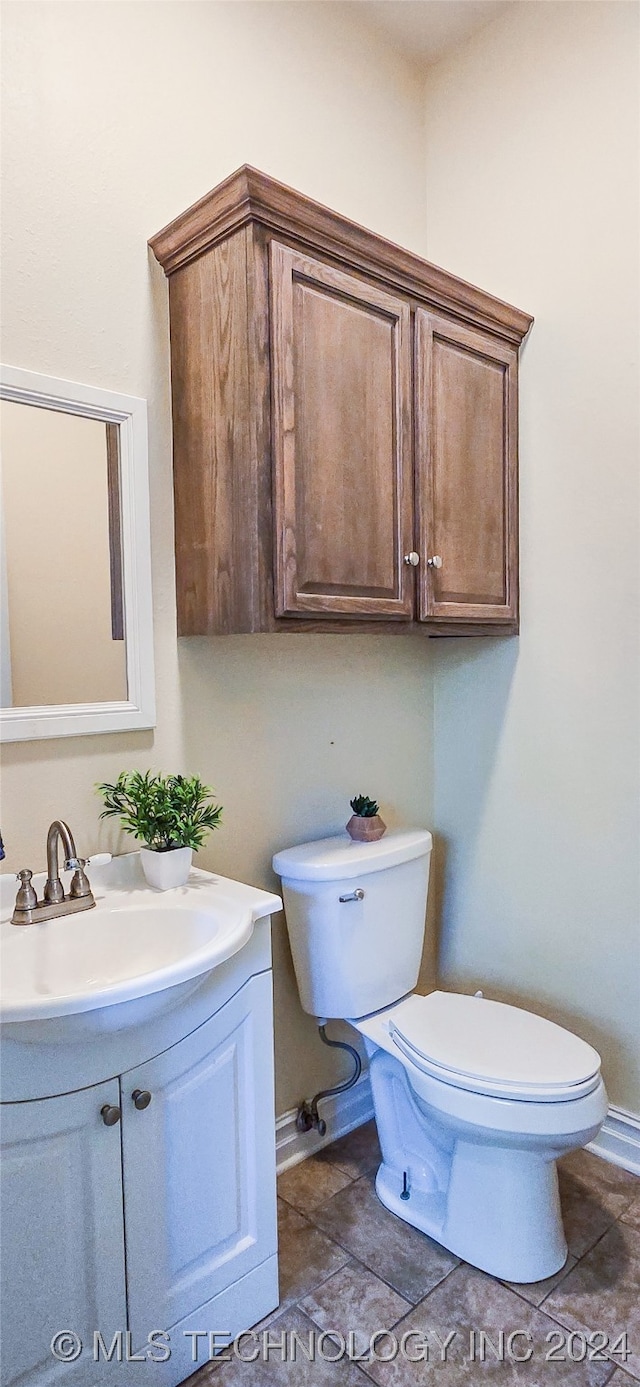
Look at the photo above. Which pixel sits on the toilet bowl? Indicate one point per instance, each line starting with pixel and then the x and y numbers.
pixel 468 1154
pixel 474 1100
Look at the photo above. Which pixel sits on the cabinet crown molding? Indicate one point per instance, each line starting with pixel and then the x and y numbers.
pixel 249 196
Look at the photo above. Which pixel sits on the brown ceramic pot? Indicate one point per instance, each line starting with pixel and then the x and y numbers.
pixel 366 830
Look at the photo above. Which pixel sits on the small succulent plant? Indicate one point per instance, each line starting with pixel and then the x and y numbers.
pixel 364 807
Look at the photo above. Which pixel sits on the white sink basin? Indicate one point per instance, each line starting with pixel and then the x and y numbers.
pixel 132 956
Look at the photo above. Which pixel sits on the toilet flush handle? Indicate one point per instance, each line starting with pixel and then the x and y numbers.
pixel 357 895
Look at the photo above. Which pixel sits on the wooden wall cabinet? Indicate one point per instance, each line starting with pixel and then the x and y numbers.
pixel 345 426
pixel 466 474
pixel 341 438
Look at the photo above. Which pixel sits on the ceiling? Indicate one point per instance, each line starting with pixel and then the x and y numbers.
pixel 423 30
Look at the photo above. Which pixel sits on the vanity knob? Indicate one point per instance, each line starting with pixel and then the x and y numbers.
pixel 412 559
pixel 435 562
pixel 110 1114
pixel 141 1098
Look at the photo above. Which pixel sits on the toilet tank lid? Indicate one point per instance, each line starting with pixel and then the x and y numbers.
pixel 340 859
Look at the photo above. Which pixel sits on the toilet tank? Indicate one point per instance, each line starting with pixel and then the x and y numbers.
pixel 356 919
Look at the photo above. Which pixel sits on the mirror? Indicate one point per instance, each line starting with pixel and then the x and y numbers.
pixel 62 572
pixel 76 650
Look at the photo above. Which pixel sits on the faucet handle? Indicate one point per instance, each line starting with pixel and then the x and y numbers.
pixel 97 859
pixel 26 898
pixel 80 884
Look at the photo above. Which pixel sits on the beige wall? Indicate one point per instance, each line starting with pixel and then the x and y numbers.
pixel 116 118
pixel 56 525
pixel 532 183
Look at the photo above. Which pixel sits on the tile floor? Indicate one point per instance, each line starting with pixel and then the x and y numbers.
pixel 349 1266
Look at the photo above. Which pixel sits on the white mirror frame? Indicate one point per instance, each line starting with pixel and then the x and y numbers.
pixel 130 414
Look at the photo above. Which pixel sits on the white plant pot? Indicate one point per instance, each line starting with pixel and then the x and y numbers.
pixel 166 869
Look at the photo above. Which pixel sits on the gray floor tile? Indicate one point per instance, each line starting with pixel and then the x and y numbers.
pixel 586 1212
pixel 632 1213
pixel 602 1293
pixel 310 1183
pixel 408 1260
pixel 306 1256
pixel 203 1377
pixel 469 1302
pixel 614 1187
pixel 357 1153
pixel 355 1302
pixel 284 1351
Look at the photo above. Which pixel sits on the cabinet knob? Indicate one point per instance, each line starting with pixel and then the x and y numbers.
pixel 412 559
pixel 141 1098
pixel 110 1115
pixel 435 562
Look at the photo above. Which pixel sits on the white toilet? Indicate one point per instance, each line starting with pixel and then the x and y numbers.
pixel 474 1100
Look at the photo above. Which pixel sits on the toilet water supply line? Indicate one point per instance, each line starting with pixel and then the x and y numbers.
pixel 307 1115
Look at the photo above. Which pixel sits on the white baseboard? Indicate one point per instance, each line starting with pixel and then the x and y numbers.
pixel 342 1113
pixel 618 1140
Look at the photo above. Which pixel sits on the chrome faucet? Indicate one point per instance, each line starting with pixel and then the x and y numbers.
pixel 28 909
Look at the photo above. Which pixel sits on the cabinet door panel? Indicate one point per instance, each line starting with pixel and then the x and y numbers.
pixel 466 444
pixel 341 379
pixel 62 1241
pixel 199 1163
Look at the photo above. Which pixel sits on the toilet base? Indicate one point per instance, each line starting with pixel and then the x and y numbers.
pixel 501 1211
pixel 490 1197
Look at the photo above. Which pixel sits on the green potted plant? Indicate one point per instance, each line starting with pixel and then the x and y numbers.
pixel 170 815
pixel 365 824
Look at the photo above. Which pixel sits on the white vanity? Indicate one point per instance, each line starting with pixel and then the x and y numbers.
pixel 138 1152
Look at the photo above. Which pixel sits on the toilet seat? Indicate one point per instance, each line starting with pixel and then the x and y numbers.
pixel 491 1048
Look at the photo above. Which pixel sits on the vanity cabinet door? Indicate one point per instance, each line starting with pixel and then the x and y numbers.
pixel 341 382
pixel 62 1238
pixel 466 475
pixel 199 1163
